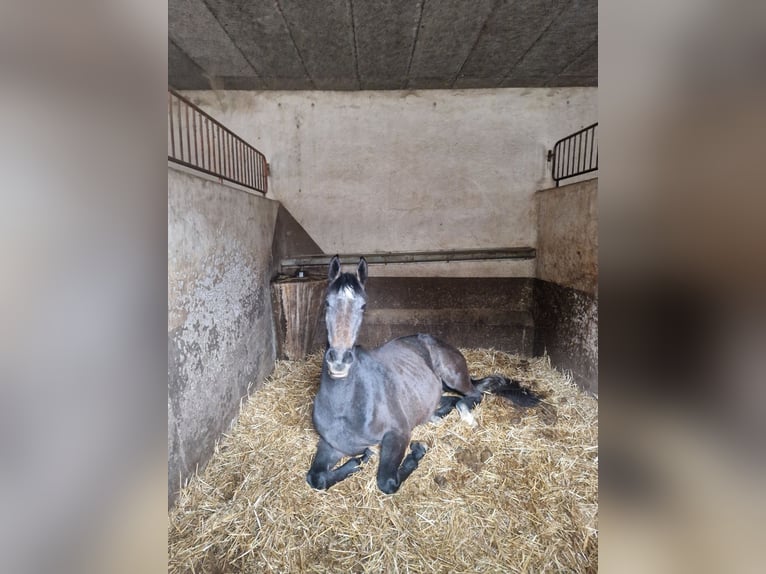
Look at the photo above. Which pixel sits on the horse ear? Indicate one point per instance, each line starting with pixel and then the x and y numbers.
pixel 361 271
pixel 334 271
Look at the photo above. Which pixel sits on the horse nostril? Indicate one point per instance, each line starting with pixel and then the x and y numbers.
pixel 348 357
pixel 332 357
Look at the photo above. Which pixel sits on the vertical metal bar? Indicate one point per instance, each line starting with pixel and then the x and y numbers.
pixel 196 143
pixel 249 165
pixel 240 163
pixel 230 159
pixel 234 158
pixel 570 162
pixel 233 155
pixel 224 155
pixel 172 132
pixel 571 156
pixel 256 168
pixel 180 134
pixel 591 146
pixel 209 146
pixel 222 167
pixel 265 174
pixel 579 153
pixel 203 141
pixel 217 144
pixel 188 133
pixel 575 154
pixel 235 148
pixel 261 173
pixel 238 156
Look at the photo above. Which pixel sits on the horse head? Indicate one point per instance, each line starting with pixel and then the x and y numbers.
pixel 345 303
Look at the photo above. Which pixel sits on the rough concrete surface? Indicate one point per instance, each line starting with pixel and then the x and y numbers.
pixel 386 44
pixel 220 333
pixel 566 328
pixel 409 170
pixel 566 293
pixel 567 235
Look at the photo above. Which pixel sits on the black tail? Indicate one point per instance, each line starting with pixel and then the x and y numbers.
pixel 507 388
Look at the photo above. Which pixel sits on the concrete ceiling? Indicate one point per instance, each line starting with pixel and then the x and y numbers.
pixel 381 44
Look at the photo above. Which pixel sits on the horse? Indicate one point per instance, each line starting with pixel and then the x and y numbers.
pixel 377 396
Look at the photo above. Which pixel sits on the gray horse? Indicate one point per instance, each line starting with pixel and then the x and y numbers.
pixel 377 396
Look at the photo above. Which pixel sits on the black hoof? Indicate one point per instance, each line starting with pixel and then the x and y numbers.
pixel 315 481
pixel 389 485
pixel 366 455
pixel 418 450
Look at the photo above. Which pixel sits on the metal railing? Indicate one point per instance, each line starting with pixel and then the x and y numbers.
pixel 575 154
pixel 197 141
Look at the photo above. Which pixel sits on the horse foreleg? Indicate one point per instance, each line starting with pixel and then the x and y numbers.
pixel 322 475
pixel 392 470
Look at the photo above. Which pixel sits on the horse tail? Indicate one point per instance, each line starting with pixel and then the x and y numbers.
pixel 507 388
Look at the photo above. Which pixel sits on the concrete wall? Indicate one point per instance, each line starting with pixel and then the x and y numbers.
pixel 220 331
pixel 567 236
pixel 410 170
pixel 566 293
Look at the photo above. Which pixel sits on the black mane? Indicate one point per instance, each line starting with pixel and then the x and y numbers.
pixel 346 280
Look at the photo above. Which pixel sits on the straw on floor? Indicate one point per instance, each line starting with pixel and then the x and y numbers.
pixel 518 493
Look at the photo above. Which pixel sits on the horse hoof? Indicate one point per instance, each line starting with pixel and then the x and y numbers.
pixel 366 455
pixel 316 482
pixel 418 450
pixel 389 485
pixel 466 415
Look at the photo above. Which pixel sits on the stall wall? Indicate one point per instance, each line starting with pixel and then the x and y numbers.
pixel 410 170
pixel 220 332
pixel 566 293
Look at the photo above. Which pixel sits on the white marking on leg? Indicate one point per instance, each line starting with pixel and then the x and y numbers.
pixel 466 415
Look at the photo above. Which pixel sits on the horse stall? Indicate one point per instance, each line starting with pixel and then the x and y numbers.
pixel 453 202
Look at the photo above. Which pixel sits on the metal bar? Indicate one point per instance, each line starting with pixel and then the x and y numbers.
pixel 321 260
pixel 259 171
pixel 219 167
pixel 230 155
pixel 180 135
pixel 253 158
pixel 187 126
pixel 196 138
pixel 172 128
pixel 240 163
pixel 215 150
pixel 206 144
pixel 573 156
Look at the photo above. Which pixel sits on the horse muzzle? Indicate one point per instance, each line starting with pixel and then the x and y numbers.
pixel 339 363
pixel 342 374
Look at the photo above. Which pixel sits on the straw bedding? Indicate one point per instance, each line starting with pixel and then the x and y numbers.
pixel 518 493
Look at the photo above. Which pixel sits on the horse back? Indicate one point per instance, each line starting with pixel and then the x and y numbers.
pixel 446 362
pixel 411 382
